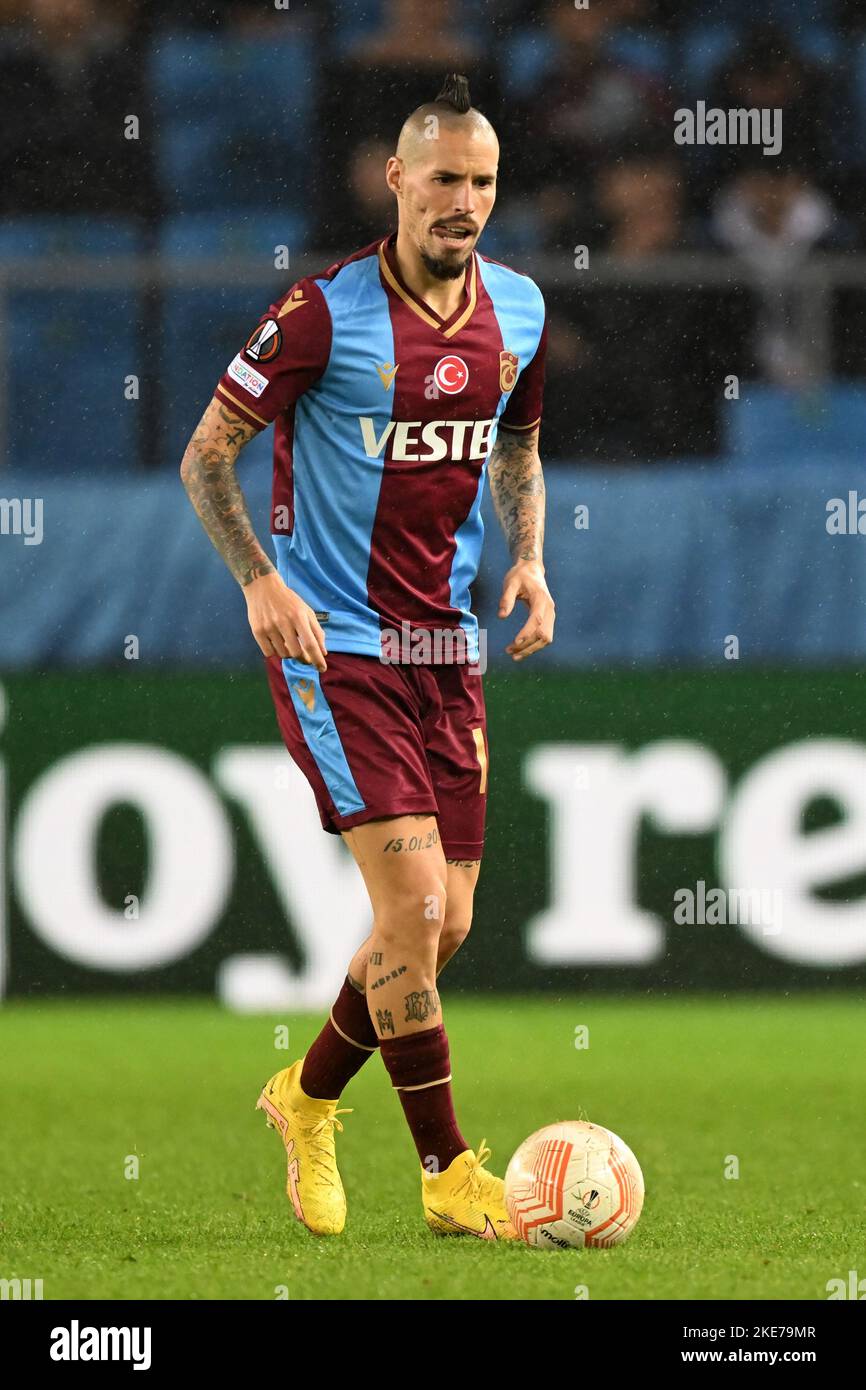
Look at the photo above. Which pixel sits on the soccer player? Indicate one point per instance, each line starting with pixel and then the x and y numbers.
pixel 395 380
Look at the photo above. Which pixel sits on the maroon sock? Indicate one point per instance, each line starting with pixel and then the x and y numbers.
pixel 414 1062
pixel 341 1049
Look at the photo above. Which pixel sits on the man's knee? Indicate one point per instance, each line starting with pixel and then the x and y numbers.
pixel 454 932
pixel 413 912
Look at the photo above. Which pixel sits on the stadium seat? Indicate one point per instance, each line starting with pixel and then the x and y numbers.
pixel 796 13
pixel 70 350
pixel 769 425
pixel 792 14
pixel 516 229
pixel 858 69
pixel 234 119
pixel 356 21
pixel 526 56
pixel 704 48
pixel 255 231
pixel 207 164
pixel 818 42
pixel 69 235
pixel 642 51
pixel 191 166
pixel 192 74
pixel 69 354
pixel 203 328
pixel 360 20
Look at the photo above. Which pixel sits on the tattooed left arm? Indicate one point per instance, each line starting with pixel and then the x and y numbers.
pixel 517 489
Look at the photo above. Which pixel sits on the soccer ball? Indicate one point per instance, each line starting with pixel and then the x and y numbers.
pixel 573 1184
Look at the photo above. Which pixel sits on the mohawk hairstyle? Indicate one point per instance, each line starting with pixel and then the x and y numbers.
pixel 453 107
pixel 455 93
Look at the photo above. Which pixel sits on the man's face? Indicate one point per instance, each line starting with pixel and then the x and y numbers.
pixel 445 194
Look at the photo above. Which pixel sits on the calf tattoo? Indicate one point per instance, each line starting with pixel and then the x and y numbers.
pixel 385 1021
pixel 421 1004
pixel 383 980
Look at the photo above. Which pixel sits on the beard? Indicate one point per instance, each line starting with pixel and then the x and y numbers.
pixel 441 269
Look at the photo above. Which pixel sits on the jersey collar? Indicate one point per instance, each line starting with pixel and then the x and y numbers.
pixel 391 276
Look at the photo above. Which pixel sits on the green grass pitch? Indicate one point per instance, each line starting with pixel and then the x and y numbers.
pixel 779 1083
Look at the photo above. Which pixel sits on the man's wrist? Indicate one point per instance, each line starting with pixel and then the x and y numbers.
pixel 525 559
pixel 260 570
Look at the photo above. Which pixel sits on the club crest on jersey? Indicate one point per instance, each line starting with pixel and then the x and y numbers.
pixel 508 365
pixel 266 342
pixel 450 375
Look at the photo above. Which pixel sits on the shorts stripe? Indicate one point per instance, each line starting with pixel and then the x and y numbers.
pixel 321 737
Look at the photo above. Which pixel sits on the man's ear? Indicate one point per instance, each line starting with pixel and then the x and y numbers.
pixel 394 174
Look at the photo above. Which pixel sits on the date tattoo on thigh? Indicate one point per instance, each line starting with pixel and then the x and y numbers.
pixel 403 843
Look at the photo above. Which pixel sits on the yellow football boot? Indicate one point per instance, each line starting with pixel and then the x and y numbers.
pixel 466 1199
pixel 307 1127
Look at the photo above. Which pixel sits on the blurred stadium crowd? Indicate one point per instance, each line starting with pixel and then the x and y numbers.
pixel 261 126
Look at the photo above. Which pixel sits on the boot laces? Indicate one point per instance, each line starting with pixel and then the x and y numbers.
pixel 474 1180
pixel 321 1136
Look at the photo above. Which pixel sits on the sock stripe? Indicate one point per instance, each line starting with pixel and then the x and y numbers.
pixel 363 1047
pixel 420 1071
pixel 425 1084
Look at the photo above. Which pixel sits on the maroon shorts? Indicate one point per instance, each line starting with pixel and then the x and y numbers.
pixel 376 739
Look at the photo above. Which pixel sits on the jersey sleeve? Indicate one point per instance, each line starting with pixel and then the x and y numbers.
pixel 523 411
pixel 283 357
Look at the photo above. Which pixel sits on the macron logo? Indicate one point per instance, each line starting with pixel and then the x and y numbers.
pixel 77 1343
pixel 415 442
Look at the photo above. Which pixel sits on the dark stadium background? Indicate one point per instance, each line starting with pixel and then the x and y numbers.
pixel 166 170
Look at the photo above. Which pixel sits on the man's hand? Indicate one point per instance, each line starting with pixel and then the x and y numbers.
pixel 517 488
pixel 526 581
pixel 282 623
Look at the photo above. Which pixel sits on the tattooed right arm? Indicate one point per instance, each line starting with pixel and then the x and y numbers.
pixel 208 473
pixel 281 622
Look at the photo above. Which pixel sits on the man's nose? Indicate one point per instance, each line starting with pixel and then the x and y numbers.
pixel 463 197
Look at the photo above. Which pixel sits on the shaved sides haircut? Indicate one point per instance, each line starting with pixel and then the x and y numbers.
pixel 453 108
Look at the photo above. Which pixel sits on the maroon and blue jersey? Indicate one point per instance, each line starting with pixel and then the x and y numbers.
pixel 384 417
